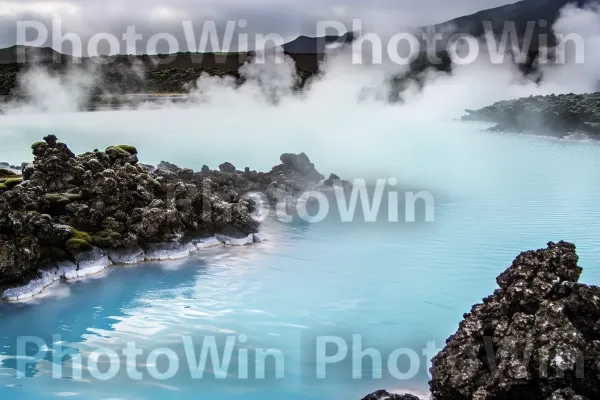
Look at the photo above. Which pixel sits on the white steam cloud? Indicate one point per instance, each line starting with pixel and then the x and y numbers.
pixel 583 23
pixel 48 92
pixel 345 85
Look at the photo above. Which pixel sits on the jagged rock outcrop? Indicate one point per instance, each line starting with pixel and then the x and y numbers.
pixel 555 114
pixel 300 164
pixel 105 203
pixel 536 337
pixel 384 395
pixel 227 167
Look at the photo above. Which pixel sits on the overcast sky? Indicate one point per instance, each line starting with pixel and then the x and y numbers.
pixel 288 18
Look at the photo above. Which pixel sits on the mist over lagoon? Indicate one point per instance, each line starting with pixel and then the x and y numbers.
pixel 305 308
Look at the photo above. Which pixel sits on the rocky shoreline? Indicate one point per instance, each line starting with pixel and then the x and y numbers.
pixel 66 216
pixel 557 115
pixel 537 337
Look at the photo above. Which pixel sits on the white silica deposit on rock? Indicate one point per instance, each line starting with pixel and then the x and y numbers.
pixel 88 264
pixel 207 243
pixel 166 251
pixel 47 277
pixel 420 394
pixel 260 237
pixel 97 260
pixel 131 255
pixel 229 241
pixel 92 263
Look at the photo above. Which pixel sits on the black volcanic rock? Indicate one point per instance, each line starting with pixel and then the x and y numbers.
pixel 384 395
pixel 227 167
pixel 167 166
pixel 66 205
pixel 536 337
pixel 301 164
pixel 555 114
pixel 520 13
pixel 316 45
pixel 332 180
pixel 523 15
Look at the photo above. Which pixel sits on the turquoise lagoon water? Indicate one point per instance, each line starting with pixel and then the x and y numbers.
pixel 399 285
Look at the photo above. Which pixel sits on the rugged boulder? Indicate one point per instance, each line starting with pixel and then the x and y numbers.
pixel 384 395
pixel 227 167
pixel 300 163
pixel 558 115
pixel 536 337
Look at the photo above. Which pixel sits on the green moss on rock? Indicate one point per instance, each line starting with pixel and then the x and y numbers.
pixel 12 182
pixel 108 233
pixel 79 241
pixel 115 149
pixel 81 235
pixel 73 196
pixel 37 145
pixel 105 238
pixel 56 198
pixel 123 148
pixel 7 173
pixel 76 245
pixel 128 148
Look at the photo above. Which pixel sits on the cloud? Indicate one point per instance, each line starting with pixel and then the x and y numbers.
pixel 289 18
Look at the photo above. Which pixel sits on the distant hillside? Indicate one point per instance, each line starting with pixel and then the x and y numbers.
pixel 316 45
pixel 183 69
pixel 177 75
pixel 520 12
pixel 13 54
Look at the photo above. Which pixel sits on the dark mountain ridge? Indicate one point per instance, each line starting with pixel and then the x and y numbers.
pixel 182 69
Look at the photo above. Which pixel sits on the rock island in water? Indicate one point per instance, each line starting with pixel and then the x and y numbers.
pixel 537 337
pixel 67 216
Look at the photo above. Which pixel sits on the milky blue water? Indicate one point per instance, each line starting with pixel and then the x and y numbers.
pixel 399 285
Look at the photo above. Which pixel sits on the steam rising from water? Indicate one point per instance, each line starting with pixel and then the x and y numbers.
pixel 49 92
pixel 342 123
pixel 346 86
pixel 340 120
